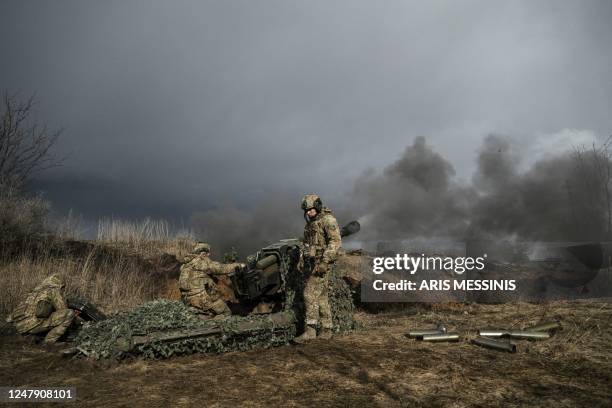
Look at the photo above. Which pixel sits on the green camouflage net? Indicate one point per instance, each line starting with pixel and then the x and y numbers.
pixel 144 330
pixel 340 299
pixel 341 303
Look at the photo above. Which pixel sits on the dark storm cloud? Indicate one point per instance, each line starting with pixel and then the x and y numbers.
pixel 557 198
pixel 171 108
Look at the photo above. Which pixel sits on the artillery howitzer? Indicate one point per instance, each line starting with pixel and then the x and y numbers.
pixel 268 273
pixel 272 278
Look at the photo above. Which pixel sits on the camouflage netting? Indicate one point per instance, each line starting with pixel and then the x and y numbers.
pixel 341 300
pixel 341 303
pixel 144 331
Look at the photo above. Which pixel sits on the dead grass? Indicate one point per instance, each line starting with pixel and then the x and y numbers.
pixel 147 238
pixel 105 275
pixel 111 283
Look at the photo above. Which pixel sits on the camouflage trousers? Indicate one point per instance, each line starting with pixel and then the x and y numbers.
pixel 316 300
pixel 56 325
pixel 202 303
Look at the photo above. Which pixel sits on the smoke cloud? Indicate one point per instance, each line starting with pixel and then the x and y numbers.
pixel 247 231
pixel 560 197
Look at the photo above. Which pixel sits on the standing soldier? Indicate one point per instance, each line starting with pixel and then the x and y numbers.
pixel 198 285
pixel 44 311
pixel 321 243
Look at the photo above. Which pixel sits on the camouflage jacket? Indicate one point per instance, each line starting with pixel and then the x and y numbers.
pixel 45 299
pixel 322 237
pixel 196 275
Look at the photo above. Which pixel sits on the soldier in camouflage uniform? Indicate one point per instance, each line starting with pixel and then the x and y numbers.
pixel 44 311
pixel 321 243
pixel 198 282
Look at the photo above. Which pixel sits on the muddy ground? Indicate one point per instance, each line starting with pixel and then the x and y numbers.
pixel 373 366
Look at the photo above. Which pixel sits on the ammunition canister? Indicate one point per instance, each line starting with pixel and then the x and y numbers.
pixel 495 344
pixel 441 337
pixel 265 262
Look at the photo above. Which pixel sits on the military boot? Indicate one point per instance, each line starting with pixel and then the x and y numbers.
pixel 326 333
pixel 309 334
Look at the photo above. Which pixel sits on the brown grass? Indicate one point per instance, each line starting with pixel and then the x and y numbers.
pixel 119 272
pixel 374 366
pixel 113 282
pixel 148 237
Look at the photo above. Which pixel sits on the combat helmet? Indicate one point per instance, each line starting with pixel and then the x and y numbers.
pixel 53 281
pixel 312 201
pixel 201 247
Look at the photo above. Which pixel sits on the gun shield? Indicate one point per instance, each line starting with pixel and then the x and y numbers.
pixel 494 344
pixel 441 337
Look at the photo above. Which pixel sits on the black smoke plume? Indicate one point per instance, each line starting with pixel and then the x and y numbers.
pixel 560 198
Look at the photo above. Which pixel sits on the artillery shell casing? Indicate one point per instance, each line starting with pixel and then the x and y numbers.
pixel 529 335
pixel 441 337
pixel 543 327
pixel 441 328
pixel 420 333
pixel 495 344
pixel 493 332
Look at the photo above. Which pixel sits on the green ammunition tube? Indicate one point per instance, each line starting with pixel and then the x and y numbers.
pixel 494 344
pixel 265 262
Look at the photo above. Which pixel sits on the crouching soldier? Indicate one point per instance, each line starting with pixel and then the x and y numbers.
pixel 198 282
pixel 44 311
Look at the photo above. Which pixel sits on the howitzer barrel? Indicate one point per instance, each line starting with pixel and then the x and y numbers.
pixel 351 228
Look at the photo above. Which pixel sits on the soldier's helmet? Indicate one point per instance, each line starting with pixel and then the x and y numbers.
pixel 53 281
pixel 312 201
pixel 201 248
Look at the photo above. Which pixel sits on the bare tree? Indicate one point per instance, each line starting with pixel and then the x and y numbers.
pixel 25 146
pixel 589 191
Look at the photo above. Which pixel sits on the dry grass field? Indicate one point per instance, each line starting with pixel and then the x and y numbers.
pixel 128 264
pixel 374 366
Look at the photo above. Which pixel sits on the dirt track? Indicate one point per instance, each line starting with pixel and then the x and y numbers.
pixel 376 365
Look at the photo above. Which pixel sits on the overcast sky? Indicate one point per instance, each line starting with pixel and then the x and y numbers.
pixel 172 107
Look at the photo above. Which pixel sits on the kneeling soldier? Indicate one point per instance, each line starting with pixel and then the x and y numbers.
pixel 44 311
pixel 198 285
